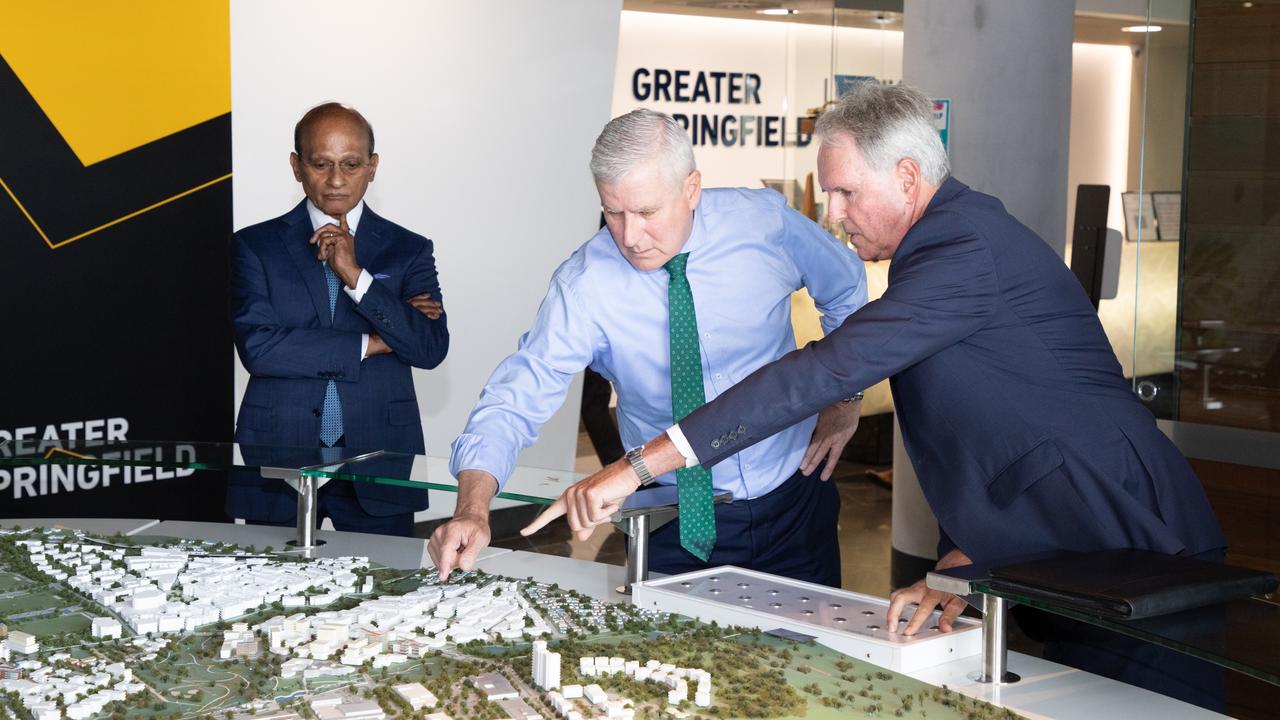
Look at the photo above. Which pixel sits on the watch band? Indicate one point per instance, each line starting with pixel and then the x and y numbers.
pixel 856 396
pixel 636 457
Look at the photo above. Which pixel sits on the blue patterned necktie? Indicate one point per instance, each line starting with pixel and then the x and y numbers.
pixel 331 417
pixel 693 485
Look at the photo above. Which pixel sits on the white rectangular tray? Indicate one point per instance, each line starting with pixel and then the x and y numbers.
pixel 848 622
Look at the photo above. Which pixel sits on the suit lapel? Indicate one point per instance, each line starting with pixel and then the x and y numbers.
pixel 296 233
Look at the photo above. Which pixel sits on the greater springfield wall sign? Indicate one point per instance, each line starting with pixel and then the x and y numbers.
pixel 715 87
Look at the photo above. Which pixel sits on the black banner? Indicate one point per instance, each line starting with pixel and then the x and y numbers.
pixel 115 298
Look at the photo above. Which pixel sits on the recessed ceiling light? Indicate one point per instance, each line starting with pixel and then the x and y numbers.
pixel 1247 4
pixel 1141 28
pixel 777 11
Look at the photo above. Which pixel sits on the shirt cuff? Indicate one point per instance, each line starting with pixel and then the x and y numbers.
pixel 362 287
pixel 364 346
pixel 686 450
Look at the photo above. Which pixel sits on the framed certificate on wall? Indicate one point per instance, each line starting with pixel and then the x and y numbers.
pixel 1139 217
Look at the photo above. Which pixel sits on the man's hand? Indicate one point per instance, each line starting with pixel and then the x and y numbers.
pixel 457 543
pixel 836 424
pixel 928 599
pixel 377 346
pixel 426 305
pixel 590 502
pixel 336 245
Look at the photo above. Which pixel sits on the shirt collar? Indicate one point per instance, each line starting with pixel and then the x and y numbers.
pixel 318 218
pixel 697 233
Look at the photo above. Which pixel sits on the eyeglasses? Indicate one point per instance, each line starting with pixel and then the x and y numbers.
pixel 348 167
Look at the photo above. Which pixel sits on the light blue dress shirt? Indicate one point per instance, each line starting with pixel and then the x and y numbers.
pixel 748 251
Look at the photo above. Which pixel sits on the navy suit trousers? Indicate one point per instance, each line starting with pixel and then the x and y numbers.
pixel 789 532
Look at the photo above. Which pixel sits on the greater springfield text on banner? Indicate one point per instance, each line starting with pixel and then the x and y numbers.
pixel 76 439
pixel 713 87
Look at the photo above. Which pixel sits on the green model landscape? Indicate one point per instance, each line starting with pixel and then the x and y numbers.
pixel 180 676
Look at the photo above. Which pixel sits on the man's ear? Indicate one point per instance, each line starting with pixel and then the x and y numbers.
pixel 907 177
pixel 373 166
pixel 693 189
pixel 295 162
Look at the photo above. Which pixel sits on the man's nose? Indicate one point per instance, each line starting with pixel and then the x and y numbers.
pixel 835 209
pixel 335 178
pixel 632 232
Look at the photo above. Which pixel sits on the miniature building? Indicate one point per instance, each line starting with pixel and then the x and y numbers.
pixel 21 642
pixel 595 694
pixel 105 627
pixel 416 695
pixel 494 687
pixel 546 666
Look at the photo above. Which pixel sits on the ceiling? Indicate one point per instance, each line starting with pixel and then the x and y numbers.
pixel 1090 27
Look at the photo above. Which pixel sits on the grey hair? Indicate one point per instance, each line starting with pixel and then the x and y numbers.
pixel 888 123
pixel 636 138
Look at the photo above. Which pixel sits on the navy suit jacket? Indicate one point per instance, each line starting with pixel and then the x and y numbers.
pixel 292 348
pixel 1024 434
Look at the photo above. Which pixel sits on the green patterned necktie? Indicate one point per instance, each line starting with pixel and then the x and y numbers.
pixel 697 513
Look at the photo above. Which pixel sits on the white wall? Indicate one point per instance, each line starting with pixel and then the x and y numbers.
pixel 1100 89
pixel 485 113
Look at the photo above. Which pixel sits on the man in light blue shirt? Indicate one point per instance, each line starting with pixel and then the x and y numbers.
pixel 607 308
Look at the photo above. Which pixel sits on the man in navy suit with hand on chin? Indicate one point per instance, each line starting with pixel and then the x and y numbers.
pixel 332 306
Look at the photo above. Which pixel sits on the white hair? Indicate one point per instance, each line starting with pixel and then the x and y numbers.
pixel 888 123
pixel 639 137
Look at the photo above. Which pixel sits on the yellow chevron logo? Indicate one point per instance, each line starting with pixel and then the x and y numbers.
pixel 113 76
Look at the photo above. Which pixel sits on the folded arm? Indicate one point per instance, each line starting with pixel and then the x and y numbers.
pixel 414 336
pixel 269 349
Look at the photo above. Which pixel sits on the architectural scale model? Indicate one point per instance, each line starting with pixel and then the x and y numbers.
pixel 169 629
pixel 851 623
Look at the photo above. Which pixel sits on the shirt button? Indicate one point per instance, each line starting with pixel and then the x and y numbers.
pixel 747 466
pixel 719 376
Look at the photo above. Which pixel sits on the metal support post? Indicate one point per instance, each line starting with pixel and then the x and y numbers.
pixel 306 512
pixel 995 651
pixel 637 551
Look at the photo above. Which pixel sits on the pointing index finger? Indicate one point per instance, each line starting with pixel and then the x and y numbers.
pixel 553 511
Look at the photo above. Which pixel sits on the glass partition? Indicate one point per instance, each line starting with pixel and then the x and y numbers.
pixel 1203 237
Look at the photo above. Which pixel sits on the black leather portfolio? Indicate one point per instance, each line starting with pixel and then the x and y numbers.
pixel 1130 584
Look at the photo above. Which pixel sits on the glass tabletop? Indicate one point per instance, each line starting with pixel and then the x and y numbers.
pixel 526 484
pixel 1242 635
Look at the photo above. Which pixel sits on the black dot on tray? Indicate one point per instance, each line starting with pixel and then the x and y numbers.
pixel 744 597
pixel 868 612
pixel 685 584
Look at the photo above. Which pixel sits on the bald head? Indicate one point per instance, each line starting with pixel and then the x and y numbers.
pixel 328 111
